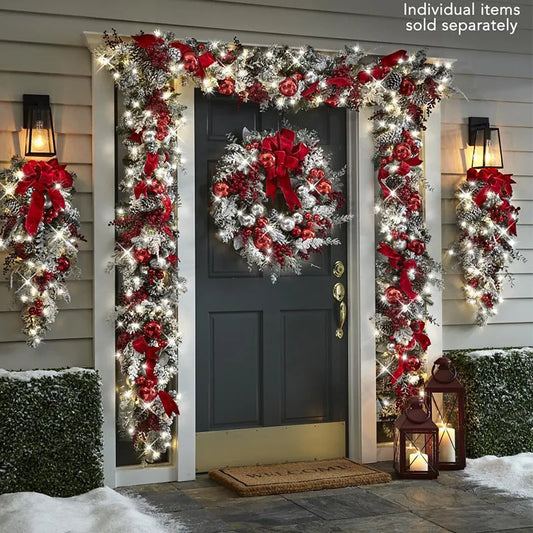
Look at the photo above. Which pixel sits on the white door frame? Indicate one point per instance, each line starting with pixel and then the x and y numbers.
pixel 360 272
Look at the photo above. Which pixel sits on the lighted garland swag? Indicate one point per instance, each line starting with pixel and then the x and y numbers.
pixel 402 88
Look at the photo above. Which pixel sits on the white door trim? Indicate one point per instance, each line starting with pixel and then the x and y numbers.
pixel 360 276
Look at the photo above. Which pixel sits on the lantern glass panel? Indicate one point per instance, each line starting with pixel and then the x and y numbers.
pixel 487 149
pixel 40 134
pixel 419 452
pixel 445 414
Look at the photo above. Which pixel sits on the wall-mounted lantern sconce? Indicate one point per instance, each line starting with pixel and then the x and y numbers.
pixel 40 139
pixel 486 143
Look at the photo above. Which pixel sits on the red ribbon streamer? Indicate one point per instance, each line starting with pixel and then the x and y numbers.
pixel 43 177
pixel 396 260
pixel 151 354
pixel 288 157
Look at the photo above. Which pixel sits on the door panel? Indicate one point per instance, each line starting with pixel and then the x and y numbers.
pixel 267 354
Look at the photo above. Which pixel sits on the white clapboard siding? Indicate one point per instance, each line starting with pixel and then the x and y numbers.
pixel 67 118
pixel 520 287
pixel 69 324
pixel 492 335
pixel 494 70
pixel 55 353
pixel 80 295
pixel 457 312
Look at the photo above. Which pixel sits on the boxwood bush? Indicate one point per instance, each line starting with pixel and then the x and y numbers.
pixel 499 398
pixel 51 431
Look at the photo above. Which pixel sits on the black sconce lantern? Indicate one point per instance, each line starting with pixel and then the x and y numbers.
pixel 486 143
pixel 40 138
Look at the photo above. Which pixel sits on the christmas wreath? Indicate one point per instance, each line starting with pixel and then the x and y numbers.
pixel 277 232
pixel 487 225
pixel 40 229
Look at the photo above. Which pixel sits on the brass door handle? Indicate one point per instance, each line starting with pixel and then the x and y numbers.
pixel 342 318
pixel 339 292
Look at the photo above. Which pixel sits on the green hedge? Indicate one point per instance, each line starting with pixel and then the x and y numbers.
pixel 51 431
pixel 499 399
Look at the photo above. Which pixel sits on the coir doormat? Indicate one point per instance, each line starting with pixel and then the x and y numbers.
pixel 297 477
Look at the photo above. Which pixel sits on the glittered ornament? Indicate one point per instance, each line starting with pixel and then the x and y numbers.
pixel 262 241
pixel 190 63
pixel 416 246
pixel 288 87
pixel 308 234
pixel 407 87
pixel 153 329
pixel 226 87
pixel 316 174
pixel 415 203
pixel 287 224
pixel 401 152
pixel 146 394
pixel 257 210
pixel 247 220
pixel 298 217
pixel 324 187
pixel 142 255
pixel 267 159
pixel 393 294
pixel 220 189
pixel 413 363
pixel 63 264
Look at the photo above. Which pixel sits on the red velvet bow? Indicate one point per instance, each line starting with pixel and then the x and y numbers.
pixel 494 180
pixel 151 354
pixel 393 59
pixel 45 178
pixel 339 81
pixel 288 157
pixel 152 160
pixel 396 260
pixel 419 335
pixel 310 91
pixel 204 60
pixel 147 40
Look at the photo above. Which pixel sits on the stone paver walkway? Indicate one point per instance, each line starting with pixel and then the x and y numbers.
pixel 449 503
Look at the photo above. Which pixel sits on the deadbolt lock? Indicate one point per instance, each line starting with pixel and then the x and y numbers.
pixel 338 269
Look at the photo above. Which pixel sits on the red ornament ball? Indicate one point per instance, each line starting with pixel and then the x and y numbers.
pixel 407 87
pixel 332 101
pixel 415 203
pixel 402 151
pixel 416 247
pixel 226 86
pixel 146 394
pixel 413 363
pixel 296 232
pixel 316 174
pixel 63 264
pixel 288 87
pixel 158 187
pixel 324 187
pixel 393 294
pixel 153 329
pixel 262 241
pixel 308 234
pixel 267 159
pixel 142 255
pixel 220 189
pixel 190 62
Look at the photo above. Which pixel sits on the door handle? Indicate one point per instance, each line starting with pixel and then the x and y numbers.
pixel 342 318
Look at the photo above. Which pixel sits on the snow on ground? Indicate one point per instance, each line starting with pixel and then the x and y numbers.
pixel 513 474
pixel 98 511
pixel 493 351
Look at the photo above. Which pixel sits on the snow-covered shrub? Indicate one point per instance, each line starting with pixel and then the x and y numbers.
pixel 51 431
pixel 499 399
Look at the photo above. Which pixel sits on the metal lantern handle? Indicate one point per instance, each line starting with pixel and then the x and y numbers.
pixel 418 420
pixel 453 373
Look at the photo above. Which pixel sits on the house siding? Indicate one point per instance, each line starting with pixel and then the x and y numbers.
pixel 42 50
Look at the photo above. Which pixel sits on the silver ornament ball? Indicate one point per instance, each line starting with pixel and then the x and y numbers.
pixel 298 217
pixel 287 224
pixel 258 210
pixel 400 245
pixel 247 220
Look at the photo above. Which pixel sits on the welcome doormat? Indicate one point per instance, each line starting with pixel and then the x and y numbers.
pixel 297 477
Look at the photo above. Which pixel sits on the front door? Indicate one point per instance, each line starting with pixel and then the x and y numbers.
pixel 271 374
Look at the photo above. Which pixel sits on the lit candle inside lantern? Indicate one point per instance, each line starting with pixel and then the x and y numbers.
pixel 418 462
pixel 446 444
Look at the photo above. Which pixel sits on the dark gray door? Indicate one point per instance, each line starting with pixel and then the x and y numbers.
pixel 267 355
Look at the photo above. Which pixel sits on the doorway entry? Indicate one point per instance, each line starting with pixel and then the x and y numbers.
pixel 271 374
